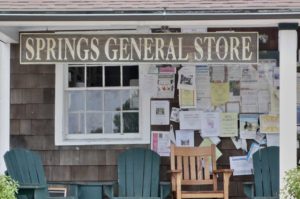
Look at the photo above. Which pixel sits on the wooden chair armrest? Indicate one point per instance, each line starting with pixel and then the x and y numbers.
pixel 223 171
pixel 174 171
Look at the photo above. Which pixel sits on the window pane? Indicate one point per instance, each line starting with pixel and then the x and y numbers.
pixel 131 122
pixel 94 76
pixel 94 100
pixel 130 99
pixel 94 123
pixel 76 76
pixel 112 123
pixel 112 100
pixel 76 101
pixel 112 76
pixel 76 123
pixel 130 75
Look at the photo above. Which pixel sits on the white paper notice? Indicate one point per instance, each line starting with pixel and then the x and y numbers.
pixel 215 140
pixel 272 139
pixel 240 165
pixel 264 101
pixel 185 138
pixel 149 84
pixel 249 77
pixel 190 119
pixel 210 124
pixel 234 73
pixel 237 142
pixel 166 86
pixel 160 142
pixel 202 82
pixel 218 73
pixel 253 148
pixel 233 107
pixel 249 102
pixel 174 114
pixel 229 125
pixel 160 112
pixel 186 78
pixel 204 104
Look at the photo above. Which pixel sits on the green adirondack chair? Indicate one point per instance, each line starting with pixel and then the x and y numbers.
pixel 266 175
pixel 138 176
pixel 26 168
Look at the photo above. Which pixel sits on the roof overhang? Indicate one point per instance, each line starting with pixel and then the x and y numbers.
pixel 155 15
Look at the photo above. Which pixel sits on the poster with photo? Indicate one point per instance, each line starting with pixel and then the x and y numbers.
pixel 185 138
pixel 248 126
pixel 160 112
pixel 186 78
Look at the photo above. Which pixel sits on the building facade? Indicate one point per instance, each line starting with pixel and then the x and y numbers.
pixel 54 108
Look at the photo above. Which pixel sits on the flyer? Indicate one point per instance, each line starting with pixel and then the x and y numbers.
pixel 160 142
pixel 186 78
pixel 269 123
pixel 160 112
pixel 219 93
pixel 248 126
pixel 165 86
pixel 202 81
pixel 190 120
pixel 229 125
pixel 241 165
pixel 187 98
pixel 185 138
pixel 210 124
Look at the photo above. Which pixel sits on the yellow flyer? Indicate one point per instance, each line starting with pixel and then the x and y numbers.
pixel 187 98
pixel 219 93
pixel 269 123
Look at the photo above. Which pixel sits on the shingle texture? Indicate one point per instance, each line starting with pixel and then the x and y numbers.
pixel 130 5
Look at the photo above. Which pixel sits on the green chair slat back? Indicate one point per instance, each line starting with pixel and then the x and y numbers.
pixel 138 173
pixel 266 172
pixel 26 167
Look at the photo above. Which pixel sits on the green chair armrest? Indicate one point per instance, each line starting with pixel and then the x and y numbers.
pixel 165 189
pixel 32 186
pixel 109 188
pixel 276 197
pixel 249 189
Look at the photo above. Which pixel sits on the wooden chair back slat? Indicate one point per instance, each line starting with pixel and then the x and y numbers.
pixel 206 168
pixel 179 163
pixel 186 169
pixel 193 168
pixel 189 161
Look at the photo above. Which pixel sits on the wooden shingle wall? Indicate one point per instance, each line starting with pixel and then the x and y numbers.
pixel 32 127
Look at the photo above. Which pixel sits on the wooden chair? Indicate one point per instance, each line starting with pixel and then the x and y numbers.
pixel 266 174
pixel 138 176
pixel 191 166
pixel 26 168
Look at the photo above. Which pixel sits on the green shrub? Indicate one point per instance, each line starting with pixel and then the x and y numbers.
pixel 291 187
pixel 8 187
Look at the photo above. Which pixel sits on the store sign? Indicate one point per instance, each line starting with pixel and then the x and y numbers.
pixel 45 48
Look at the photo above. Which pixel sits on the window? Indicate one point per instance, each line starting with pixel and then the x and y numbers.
pixel 99 104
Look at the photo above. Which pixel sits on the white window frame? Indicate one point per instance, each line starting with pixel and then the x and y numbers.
pixel 62 138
